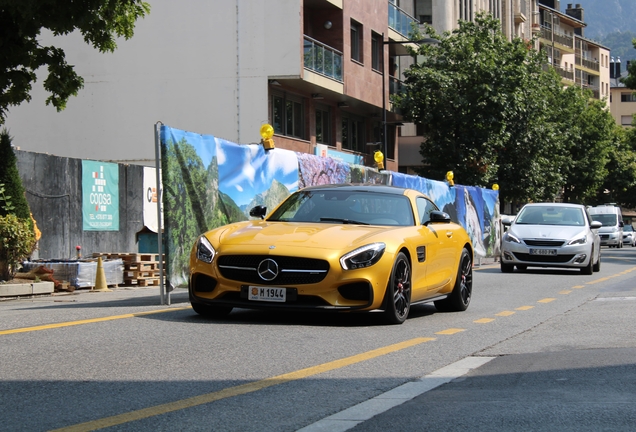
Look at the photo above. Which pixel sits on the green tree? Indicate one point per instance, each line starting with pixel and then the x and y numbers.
pixel 486 106
pixel 99 21
pixel 590 135
pixel 619 184
pixel 14 200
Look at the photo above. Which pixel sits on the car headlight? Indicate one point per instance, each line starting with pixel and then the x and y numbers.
pixel 364 256
pixel 205 251
pixel 580 240
pixel 511 238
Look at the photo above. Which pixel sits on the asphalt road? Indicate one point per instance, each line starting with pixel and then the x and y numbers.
pixel 540 350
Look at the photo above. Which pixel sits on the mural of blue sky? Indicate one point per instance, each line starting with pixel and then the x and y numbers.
pixel 248 170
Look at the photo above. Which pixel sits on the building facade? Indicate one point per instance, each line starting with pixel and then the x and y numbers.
pixel 320 71
pixel 622 99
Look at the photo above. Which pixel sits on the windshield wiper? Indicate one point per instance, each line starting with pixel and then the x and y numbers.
pixel 344 221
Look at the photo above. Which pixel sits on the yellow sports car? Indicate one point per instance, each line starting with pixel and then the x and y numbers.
pixel 336 248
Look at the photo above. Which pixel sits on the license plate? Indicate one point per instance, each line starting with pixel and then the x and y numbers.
pixel 543 252
pixel 268 294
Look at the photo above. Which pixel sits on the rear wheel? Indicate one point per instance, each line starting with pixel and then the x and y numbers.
pixel 459 299
pixel 398 292
pixel 211 311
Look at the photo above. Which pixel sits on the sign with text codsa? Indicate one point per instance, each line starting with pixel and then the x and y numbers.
pixel 100 196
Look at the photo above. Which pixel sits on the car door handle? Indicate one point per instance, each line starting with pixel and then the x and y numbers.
pixel 449 234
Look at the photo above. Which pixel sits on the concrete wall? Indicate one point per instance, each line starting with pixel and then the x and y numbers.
pixel 54 191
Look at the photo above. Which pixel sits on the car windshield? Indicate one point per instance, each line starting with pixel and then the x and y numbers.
pixel 628 228
pixel 605 219
pixel 347 207
pixel 551 215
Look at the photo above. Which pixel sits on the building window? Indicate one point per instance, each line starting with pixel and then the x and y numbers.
pixel 626 120
pixel 628 97
pixel 287 116
pixel 353 137
pixel 323 122
pixel 356 41
pixel 377 46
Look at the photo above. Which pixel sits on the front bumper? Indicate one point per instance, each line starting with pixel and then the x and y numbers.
pixel 610 239
pixel 575 256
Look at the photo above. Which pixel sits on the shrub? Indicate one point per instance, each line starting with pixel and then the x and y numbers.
pixel 17 241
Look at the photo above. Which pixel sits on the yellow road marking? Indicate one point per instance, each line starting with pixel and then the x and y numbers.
pixel 578 286
pixel 546 300
pixel 505 313
pixel 523 308
pixel 86 321
pixel 241 389
pixel 484 320
pixel 450 331
pixel 565 292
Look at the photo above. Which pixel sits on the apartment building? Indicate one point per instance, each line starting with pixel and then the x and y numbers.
pixel 580 61
pixel 622 99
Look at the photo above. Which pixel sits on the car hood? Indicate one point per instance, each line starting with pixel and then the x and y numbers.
pixel 548 231
pixel 306 235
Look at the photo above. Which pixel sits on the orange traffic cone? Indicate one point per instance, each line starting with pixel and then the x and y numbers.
pixel 100 277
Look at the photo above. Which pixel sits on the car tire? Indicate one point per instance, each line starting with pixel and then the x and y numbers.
pixel 597 266
pixel 459 298
pixel 398 292
pixel 507 268
pixel 589 268
pixel 211 311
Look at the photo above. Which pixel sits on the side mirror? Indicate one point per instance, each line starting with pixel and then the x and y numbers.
pixel 438 217
pixel 596 225
pixel 507 220
pixel 258 211
pixel 621 224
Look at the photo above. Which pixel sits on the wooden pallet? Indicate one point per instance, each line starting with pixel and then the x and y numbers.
pixel 140 269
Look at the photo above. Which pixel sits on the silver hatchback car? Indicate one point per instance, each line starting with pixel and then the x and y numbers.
pixel 551 235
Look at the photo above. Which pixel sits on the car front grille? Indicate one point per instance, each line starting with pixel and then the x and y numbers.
pixel 291 270
pixel 541 242
pixel 554 259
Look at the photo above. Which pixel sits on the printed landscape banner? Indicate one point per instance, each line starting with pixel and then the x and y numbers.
pixel 209 182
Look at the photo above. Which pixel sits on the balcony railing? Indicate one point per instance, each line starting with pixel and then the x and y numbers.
pixel 564 73
pixel 400 21
pixel 568 41
pixel 590 64
pixel 322 59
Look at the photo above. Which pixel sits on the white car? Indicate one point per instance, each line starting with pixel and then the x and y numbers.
pixel 551 235
pixel 629 236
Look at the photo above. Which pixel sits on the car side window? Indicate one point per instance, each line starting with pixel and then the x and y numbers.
pixel 424 209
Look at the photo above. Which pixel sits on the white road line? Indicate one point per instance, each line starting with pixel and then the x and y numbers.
pixel 349 418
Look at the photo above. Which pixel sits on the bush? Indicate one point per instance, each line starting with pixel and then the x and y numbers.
pixel 17 241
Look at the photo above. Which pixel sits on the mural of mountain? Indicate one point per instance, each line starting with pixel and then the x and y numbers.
pixel 271 197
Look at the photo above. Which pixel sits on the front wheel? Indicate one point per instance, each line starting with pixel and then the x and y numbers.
pixel 507 268
pixel 459 298
pixel 398 292
pixel 589 269
pixel 597 266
